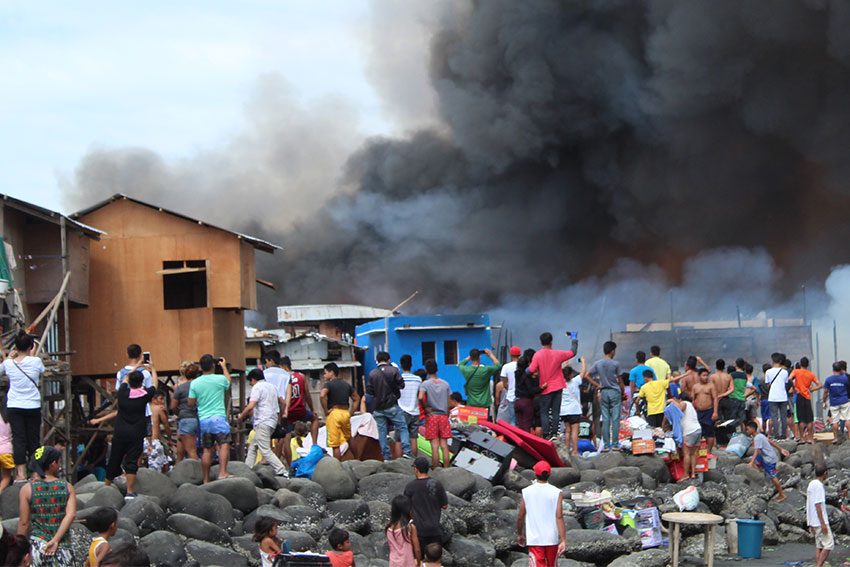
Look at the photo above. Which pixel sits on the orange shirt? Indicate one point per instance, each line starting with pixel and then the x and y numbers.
pixel 341 558
pixel 803 380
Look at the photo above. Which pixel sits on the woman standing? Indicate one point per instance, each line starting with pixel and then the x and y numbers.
pixel 187 417
pixel 23 401
pixel 48 507
pixel 527 388
pixel 130 428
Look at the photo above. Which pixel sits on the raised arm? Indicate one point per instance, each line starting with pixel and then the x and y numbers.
pixel 224 370
pixel 496 361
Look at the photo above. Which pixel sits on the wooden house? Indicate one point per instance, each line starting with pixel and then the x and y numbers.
pixel 176 285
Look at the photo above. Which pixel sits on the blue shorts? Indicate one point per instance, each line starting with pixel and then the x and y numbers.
pixel 215 431
pixel 768 468
pixel 188 426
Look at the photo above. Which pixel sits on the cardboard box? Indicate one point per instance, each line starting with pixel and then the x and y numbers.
pixel 471 414
pixel 827 437
pixel 643 447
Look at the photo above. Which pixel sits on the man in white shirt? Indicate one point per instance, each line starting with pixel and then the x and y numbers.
pixel 279 378
pixel 408 401
pixel 508 376
pixel 265 405
pixel 816 516
pixel 777 378
pixel 540 521
pixel 135 361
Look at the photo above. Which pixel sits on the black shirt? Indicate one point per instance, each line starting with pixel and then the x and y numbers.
pixel 131 421
pixel 527 386
pixel 385 384
pixel 339 392
pixel 427 498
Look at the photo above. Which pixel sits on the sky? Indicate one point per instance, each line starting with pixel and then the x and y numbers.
pixel 174 77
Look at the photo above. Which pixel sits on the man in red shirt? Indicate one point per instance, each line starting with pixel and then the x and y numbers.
pixel 298 407
pixel 547 364
pixel 805 382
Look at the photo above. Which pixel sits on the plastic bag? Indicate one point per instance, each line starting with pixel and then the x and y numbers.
pixel 304 467
pixel 687 499
pixel 739 444
pixel 637 422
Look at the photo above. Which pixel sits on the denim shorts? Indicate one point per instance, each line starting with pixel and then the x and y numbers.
pixel 188 426
pixel 215 431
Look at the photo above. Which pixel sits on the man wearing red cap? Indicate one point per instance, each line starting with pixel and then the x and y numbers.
pixel 541 503
pixel 506 395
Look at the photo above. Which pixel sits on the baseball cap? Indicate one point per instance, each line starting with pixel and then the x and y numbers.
pixel 421 464
pixel 542 467
pixel 516 351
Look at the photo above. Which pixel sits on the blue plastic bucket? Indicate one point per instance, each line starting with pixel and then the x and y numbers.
pixel 750 538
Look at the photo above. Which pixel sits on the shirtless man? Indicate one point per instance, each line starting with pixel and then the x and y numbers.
pixel 724 385
pixel 706 402
pixel 689 377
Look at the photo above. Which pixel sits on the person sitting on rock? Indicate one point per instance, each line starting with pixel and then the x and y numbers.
pixel 265 534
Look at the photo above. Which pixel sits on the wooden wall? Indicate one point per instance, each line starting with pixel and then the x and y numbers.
pixel 126 292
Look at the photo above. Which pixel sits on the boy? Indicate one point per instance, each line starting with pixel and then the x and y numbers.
pixel 434 394
pixel 338 398
pixel 433 555
pixel 340 553
pixel 154 448
pixel 816 516
pixel 765 455
pixel 104 522
pixel 655 393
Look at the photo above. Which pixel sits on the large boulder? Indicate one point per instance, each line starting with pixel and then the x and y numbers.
pixel 382 486
pixel 9 504
pixel 129 525
pixel 610 460
pixel 206 553
pixel 153 483
pixel 515 482
pixel 240 469
pixel 649 558
pixel 196 528
pixel 457 481
pixel 622 476
pixel 471 551
pixel 311 491
pixel 146 513
pixel 240 492
pixel 362 469
pixel 379 515
pixel 594 546
pixel 195 501
pixel 565 476
pixel 164 549
pixel 334 479
pixel 306 519
pixel 88 487
pixel 121 537
pixel 267 511
pixel 285 497
pixel 298 541
pixel 651 465
pixel 107 496
pixel 352 515
pixel 187 471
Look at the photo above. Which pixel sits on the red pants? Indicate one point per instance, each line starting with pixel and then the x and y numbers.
pixel 542 556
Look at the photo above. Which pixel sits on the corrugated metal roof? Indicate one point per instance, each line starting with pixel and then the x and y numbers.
pixel 300 313
pixel 258 243
pixel 50 216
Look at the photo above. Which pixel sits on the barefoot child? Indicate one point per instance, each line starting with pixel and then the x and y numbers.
pixel 104 522
pixel 766 456
pixel 265 533
pixel 340 553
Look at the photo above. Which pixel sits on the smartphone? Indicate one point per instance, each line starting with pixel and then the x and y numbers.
pixel 146 357
pixel 572 334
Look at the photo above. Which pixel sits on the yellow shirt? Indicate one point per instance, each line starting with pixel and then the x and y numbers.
pixel 660 367
pixel 95 543
pixel 294 446
pixel 655 393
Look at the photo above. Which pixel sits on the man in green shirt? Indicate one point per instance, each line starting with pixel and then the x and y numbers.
pixel 207 393
pixel 477 378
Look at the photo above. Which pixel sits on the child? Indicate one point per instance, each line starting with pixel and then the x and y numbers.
pixel 265 533
pixel 401 534
pixel 125 554
pixel 340 553
pixel 816 516
pixel 571 406
pixel 7 463
pixel 299 434
pixel 154 448
pixel 433 555
pixel 18 550
pixel 104 522
pixel 765 455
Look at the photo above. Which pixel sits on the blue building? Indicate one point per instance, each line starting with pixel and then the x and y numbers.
pixel 445 338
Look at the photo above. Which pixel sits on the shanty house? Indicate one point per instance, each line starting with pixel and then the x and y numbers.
pixel 176 285
pixel 444 338
pixel 336 321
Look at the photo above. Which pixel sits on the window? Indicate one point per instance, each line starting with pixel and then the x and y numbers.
pixel 184 284
pixel 450 352
pixel 429 351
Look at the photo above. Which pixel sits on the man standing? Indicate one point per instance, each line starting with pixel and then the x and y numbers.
pixel 547 362
pixel 279 378
pixel 339 399
pixel 298 405
pixel 658 364
pixel 723 384
pixel 777 378
pixel 706 404
pixel 409 401
pixel 835 393
pixel 136 361
pixel 803 379
pixel 636 373
pixel 508 376
pixel 540 521
pixel 477 378
pixel 607 370
pixel 816 516
pixel 434 395
pixel 738 398
pixel 265 405
pixel 207 393
pixel 428 499
pixel 384 385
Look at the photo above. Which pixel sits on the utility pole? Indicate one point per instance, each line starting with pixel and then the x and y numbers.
pixel 835 340
pixel 805 313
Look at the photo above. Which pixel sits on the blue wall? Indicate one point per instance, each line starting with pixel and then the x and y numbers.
pixel 371 335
